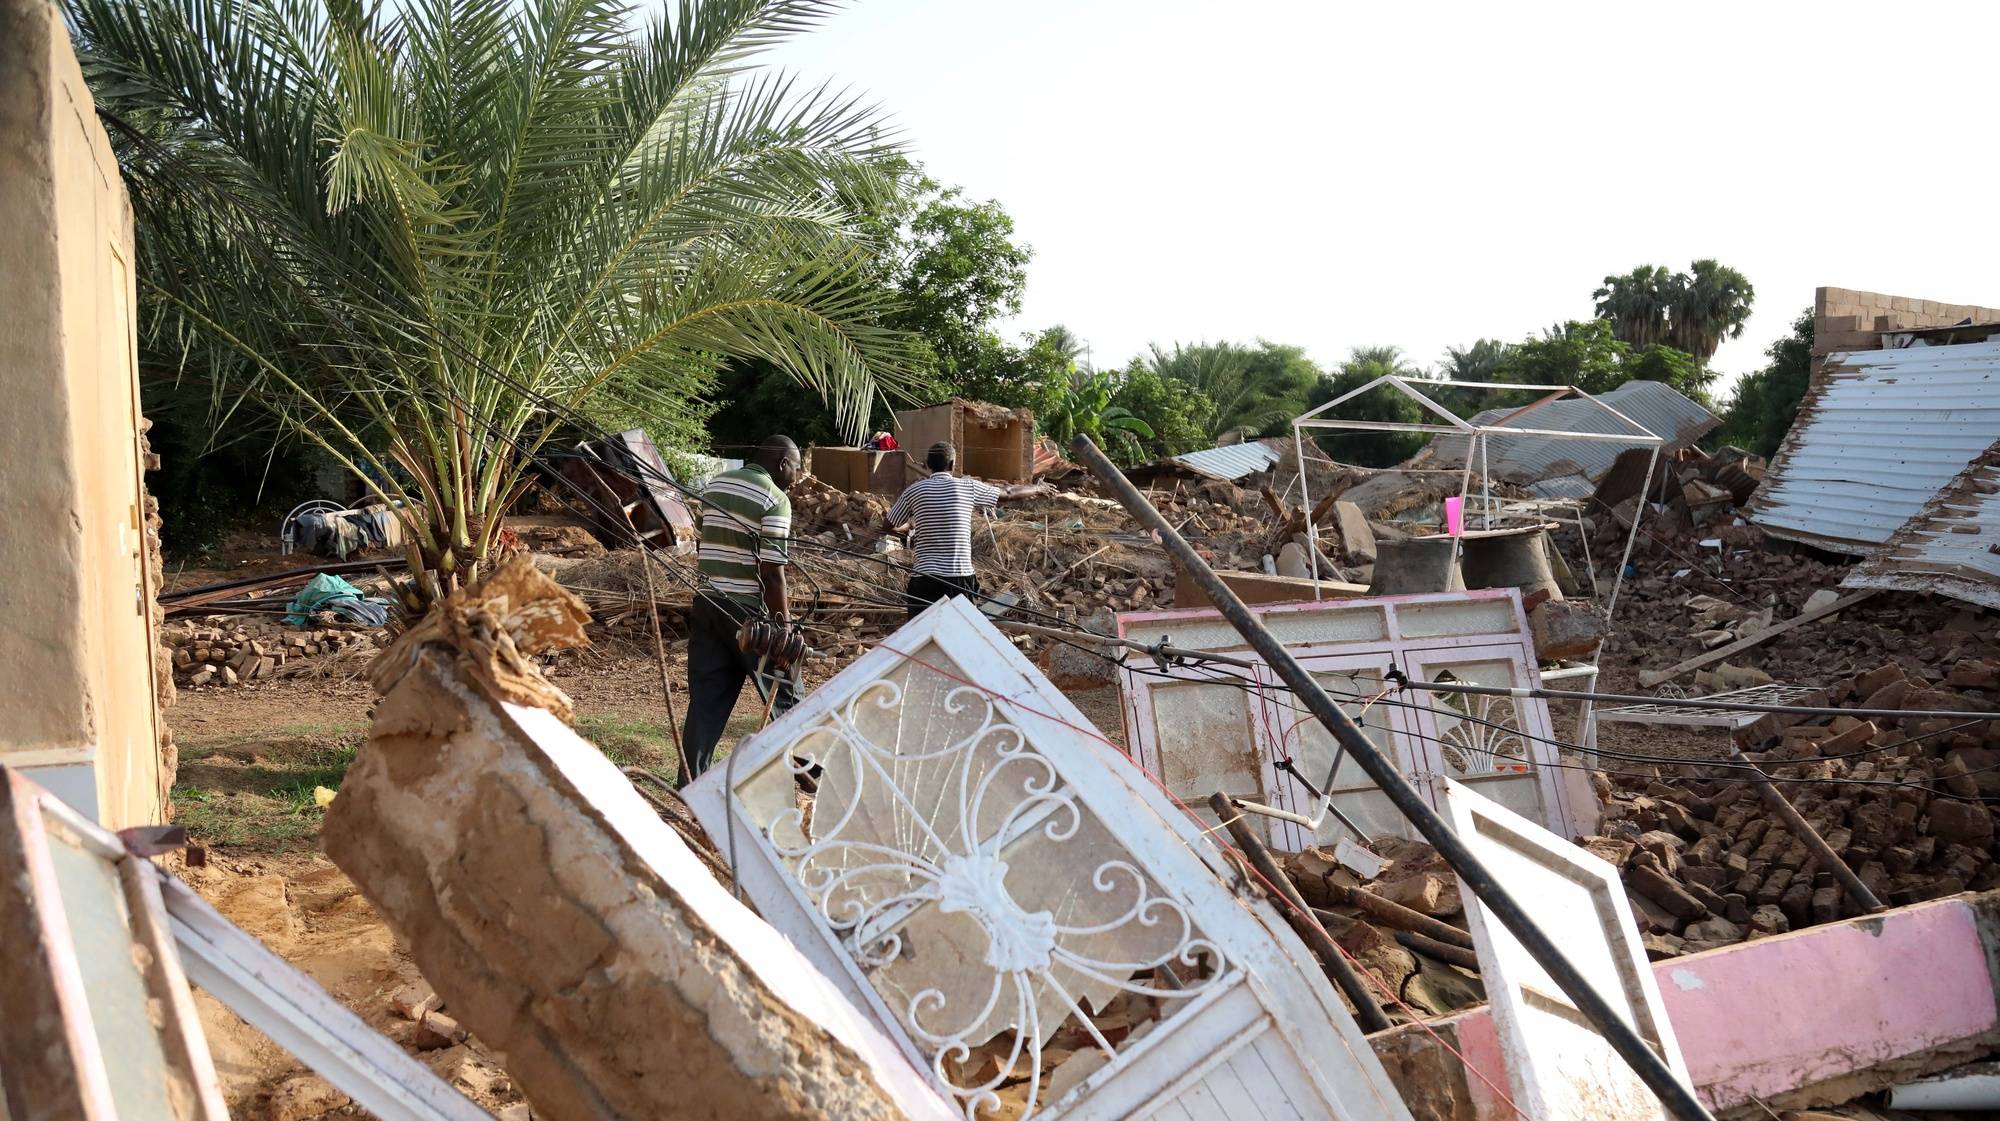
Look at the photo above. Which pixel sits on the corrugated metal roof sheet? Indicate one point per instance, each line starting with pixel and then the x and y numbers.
pixel 1947 548
pixel 1655 406
pixel 1231 461
pixel 1876 437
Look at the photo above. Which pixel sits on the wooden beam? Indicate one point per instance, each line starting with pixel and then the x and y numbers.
pixel 1651 678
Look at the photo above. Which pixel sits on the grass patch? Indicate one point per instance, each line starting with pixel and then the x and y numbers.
pixel 633 742
pixel 256 792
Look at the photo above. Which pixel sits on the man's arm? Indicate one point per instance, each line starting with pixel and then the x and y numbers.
pixel 777 597
pixel 774 551
pixel 1023 491
pixel 898 515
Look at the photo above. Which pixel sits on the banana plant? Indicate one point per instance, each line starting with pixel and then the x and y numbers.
pixel 1084 408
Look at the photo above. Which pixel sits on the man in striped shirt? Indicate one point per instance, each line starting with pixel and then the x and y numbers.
pixel 938 510
pixel 746 529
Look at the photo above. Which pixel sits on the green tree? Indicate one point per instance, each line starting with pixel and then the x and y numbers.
pixel 956 267
pixel 1180 415
pixel 1691 311
pixel 1587 355
pixel 1252 389
pixel 1383 403
pixel 1638 304
pixel 1477 362
pixel 1710 305
pixel 1084 407
pixel 1767 400
pixel 421 233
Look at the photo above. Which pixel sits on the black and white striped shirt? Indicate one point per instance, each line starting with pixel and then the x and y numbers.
pixel 941 509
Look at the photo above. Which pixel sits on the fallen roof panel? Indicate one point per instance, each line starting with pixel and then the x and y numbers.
pixel 1231 461
pixel 1950 546
pixel 1877 436
pixel 1654 406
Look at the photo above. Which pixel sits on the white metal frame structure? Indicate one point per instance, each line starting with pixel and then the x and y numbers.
pixel 996 884
pixel 1203 727
pixel 1559 1068
pixel 1477 438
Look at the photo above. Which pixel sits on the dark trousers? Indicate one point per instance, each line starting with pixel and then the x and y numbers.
pixel 717 667
pixel 926 589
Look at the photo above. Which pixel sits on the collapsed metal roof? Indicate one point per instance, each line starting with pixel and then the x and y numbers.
pixel 1230 462
pixel 1950 547
pixel 1877 435
pixel 1552 467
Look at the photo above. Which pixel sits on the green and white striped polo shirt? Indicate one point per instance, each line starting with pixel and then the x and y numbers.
pixel 745 519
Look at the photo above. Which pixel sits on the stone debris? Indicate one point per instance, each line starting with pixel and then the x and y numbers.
pixel 235 649
pixel 1405 926
pixel 1707 863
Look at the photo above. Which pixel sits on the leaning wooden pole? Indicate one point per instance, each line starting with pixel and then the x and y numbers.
pixel 1675 1095
pixel 1367 1013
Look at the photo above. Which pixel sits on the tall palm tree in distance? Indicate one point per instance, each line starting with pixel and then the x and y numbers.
pixel 1711 303
pixel 1637 304
pixel 428 234
pixel 1692 311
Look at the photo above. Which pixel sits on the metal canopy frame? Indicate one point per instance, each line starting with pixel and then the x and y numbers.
pixel 1477 437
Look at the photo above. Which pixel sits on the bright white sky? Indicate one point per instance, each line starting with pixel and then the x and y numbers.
pixel 1424 174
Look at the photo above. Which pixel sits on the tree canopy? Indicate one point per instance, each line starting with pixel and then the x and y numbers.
pixel 1254 390
pixel 1371 449
pixel 1691 311
pixel 1767 400
pixel 1587 355
pixel 426 234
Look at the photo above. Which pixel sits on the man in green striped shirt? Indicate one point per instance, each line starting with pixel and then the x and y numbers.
pixel 746 530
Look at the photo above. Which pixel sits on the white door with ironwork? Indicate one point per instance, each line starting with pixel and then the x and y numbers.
pixel 1020 905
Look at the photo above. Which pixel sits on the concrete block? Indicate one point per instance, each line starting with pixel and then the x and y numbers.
pixel 563 922
pixel 1357 537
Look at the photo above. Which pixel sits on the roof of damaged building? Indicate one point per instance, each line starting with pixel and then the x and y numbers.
pixel 1952 546
pixel 1552 467
pixel 1231 462
pixel 1878 435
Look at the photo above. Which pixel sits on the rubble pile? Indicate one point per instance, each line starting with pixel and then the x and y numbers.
pixel 832 516
pixel 1405 926
pixel 1684 599
pixel 1707 863
pixel 236 649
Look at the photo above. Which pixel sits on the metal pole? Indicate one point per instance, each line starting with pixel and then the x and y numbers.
pixel 1305 502
pixel 1678 1098
pixel 1631 536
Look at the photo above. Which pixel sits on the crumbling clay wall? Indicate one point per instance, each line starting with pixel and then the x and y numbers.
pixel 72 522
pixel 613 984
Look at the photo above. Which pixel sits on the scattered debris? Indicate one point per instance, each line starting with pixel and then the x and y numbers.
pixel 235 650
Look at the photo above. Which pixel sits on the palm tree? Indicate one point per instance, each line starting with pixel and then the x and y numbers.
pixel 1638 304
pixel 1711 303
pixel 1477 362
pixel 1251 389
pixel 427 234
